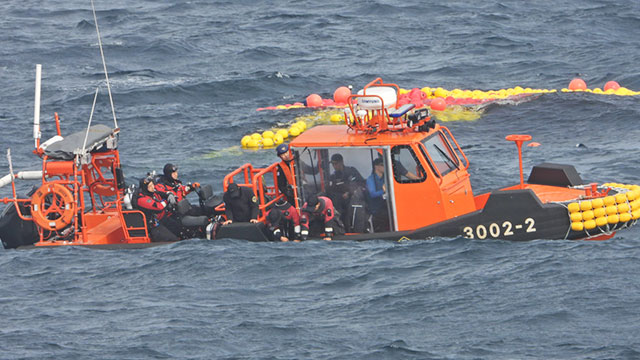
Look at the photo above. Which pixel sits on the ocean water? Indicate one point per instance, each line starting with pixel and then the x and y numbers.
pixel 187 78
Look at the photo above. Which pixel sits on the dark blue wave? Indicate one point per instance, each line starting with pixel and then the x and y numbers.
pixel 187 78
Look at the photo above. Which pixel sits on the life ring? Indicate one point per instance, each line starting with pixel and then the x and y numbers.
pixel 52 206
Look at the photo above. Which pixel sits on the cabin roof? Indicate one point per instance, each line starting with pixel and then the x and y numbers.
pixel 341 135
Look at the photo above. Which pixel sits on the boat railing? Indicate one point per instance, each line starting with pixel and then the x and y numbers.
pixel 267 194
pixel 247 172
pixel 452 139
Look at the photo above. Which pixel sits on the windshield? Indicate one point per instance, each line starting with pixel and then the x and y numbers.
pixel 441 154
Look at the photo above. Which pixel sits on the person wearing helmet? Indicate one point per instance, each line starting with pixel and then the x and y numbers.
pixel 320 217
pixel 154 208
pixel 240 204
pixel 168 182
pixel 285 172
pixel 283 222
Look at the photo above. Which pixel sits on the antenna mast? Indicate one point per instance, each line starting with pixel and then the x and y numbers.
pixel 36 107
pixel 104 65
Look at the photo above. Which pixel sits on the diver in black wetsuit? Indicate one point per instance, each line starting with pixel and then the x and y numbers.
pixel 241 205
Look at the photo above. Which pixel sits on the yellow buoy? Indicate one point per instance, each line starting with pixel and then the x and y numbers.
pixel 267 142
pixel 613 219
pixel 277 139
pixel 267 134
pixel 576 216
pixel 253 143
pixel 588 215
pixel 590 224
pixel 625 217
pixel 302 125
pixel 632 195
pixel 283 132
pixel 585 205
pixel 245 140
pixel 621 198
pixel 623 208
pixel 440 92
pixel 611 209
pixel 601 221
pixel 609 200
pixel 635 204
pixel 336 118
pixel 256 136
pixel 599 212
pixel 597 203
pixel 573 207
pixel 635 214
pixel 577 226
pixel 294 131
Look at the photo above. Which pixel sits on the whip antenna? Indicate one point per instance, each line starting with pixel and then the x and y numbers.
pixel 104 64
pixel 36 107
pixel 86 135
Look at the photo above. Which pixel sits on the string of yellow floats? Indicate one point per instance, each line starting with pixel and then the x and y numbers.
pixel 446 105
pixel 608 211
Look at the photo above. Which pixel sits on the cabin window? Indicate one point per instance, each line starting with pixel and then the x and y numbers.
pixel 345 176
pixel 406 166
pixel 441 157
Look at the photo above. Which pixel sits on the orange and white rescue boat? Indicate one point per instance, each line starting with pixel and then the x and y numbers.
pixel 427 187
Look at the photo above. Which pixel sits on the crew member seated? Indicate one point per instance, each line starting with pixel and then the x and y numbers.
pixel 154 208
pixel 169 182
pixel 399 170
pixel 283 223
pixel 346 191
pixel 320 217
pixel 240 204
pixel 378 197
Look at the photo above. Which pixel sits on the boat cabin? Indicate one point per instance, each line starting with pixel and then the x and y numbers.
pixel 386 169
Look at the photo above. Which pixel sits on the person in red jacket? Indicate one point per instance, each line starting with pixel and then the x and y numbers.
pixel 154 208
pixel 318 217
pixel 283 222
pixel 169 183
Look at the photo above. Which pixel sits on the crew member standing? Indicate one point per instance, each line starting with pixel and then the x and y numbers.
pixel 377 191
pixel 285 172
pixel 240 204
pixel 346 191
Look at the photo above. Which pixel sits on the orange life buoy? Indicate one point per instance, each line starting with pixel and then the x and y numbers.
pixel 52 206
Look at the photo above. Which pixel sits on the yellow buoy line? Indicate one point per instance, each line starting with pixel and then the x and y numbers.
pixel 609 213
pixel 462 105
pixel 276 136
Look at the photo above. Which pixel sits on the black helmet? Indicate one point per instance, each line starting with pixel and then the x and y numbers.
pixel 282 148
pixel 312 201
pixel 144 183
pixel 233 190
pixel 274 216
pixel 168 169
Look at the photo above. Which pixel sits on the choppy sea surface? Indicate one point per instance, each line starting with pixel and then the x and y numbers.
pixel 187 78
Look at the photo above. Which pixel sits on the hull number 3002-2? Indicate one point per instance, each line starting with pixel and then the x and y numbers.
pixel 495 230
